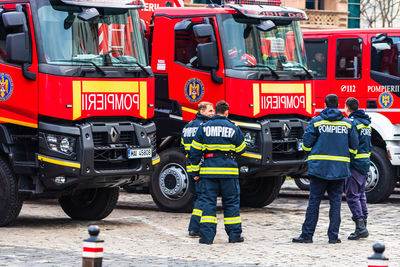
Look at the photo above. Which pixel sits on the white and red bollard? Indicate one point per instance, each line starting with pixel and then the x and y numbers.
pixel 93 248
pixel 377 259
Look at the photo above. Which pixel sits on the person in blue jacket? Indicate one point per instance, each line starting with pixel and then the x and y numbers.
pixel 331 141
pixel 218 141
pixel 205 111
pixel 355 183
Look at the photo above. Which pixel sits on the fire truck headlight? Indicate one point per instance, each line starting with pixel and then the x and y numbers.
pixel 61 144
pixel 250 137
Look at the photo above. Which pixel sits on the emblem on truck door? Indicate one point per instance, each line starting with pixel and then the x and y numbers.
pixel 194 90
pixel 386 100
pixel 6 86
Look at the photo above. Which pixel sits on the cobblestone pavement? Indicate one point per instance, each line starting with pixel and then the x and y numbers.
pixel 138 234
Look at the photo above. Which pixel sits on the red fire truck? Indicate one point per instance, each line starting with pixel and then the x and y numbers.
pixel 364 63
pixel 252 56
pixel 76 95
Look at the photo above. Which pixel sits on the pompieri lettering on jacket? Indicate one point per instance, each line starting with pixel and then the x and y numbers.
pixel 366 131
pixel 283 102
pixel 105 101
pixel 338 129
pixel 218 131
pixel 189 131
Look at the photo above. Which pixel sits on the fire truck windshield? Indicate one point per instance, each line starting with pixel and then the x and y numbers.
pixel 246 46
pixel 111 39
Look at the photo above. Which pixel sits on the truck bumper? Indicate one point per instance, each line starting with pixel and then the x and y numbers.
pixel 100 156
pixel 275 148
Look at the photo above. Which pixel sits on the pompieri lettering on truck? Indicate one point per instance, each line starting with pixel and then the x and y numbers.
pixel 280 96
pixel 109 97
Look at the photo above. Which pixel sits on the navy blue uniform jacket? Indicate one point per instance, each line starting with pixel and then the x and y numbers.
pixel 188 134
pixel 361 121
pixel 331 139
pixel 221 135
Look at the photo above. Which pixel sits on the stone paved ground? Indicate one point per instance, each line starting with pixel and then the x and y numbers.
pixel 138 234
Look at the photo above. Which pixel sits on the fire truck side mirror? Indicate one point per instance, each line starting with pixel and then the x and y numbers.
pixel 207 55
pixel 17 44
pixel 203 30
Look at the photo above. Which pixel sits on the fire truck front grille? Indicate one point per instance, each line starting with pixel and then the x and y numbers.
pixel 278 133
pixel 111 147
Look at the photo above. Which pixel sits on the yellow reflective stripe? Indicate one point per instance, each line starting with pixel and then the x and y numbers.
pixel 188 168
pixel 197 212
pixel 241 147
pixel 60 162
pixel 353 151
pixel 306 148
pixel 219 170
pixel 360 126
pixel 319 123
pixel 208 219
pixel 328 157
pixel 156 160
pixel 221 147
pixel 182 141
pixel 197 145
pixel 251 155
pixel 232 220
pixel 362 156
pixel 195 167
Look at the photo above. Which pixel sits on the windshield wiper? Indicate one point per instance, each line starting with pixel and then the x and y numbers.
pixel 140 65
pixel 83 61
pixel 298 65
pixel 273 72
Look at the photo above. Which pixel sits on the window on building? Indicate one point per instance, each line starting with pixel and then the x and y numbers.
pixel 354 14
pixel 315 4
pixel 348 58
pixel 385 56
pixel 317 54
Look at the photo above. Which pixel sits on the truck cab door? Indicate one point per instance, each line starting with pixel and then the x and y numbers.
pixel 18 85
pixel 192 78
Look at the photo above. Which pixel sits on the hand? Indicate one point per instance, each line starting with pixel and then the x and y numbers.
pixel 196 178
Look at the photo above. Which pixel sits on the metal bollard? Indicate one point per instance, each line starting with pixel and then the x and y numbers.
pixel 93 249
pixel 377 259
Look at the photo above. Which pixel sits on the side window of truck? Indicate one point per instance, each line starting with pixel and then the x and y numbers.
pixel 385 56
pixel 3 35
pixel 186 47
pixel 348 58
pixel 317 54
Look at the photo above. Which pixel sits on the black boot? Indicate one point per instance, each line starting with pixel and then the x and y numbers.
pixel 360 232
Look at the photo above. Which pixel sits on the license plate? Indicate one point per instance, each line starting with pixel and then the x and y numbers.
pixel 300 146
pixel 136 153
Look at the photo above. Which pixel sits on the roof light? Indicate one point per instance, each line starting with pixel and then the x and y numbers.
pixel 253 2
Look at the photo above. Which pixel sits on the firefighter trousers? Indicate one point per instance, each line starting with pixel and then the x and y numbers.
pixel 194 224
pixel 229 189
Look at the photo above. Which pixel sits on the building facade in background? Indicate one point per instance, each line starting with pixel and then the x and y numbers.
pixel 322 14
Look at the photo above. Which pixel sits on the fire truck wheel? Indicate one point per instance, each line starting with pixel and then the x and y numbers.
pixel 10 202
pixel 90 204
pixel 259 192
pixel 303 183
pixel 169 184
pixel 381 179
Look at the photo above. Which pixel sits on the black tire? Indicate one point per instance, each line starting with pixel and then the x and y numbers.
pixel 10 202
pixel 169 184
pixel 303 183
pixel 259 192
pixel 90 204
pixel 381 179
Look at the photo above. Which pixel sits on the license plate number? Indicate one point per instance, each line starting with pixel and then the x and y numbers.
pixel 139 153
pixel 300 146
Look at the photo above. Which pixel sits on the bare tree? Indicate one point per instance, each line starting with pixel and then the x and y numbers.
pixel 382 13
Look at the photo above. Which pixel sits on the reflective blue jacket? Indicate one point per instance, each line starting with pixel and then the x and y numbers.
pixel 362 121
pixel 330 139
pixel 217 137
pixel 188 134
